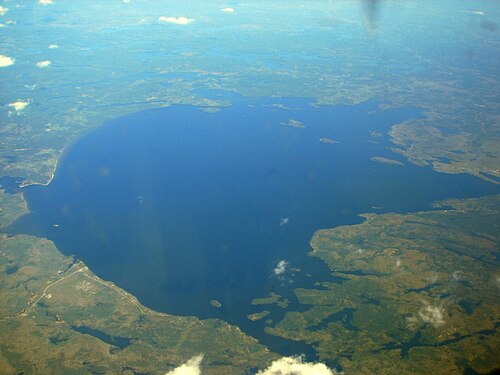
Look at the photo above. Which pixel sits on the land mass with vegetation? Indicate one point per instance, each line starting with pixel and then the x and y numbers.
pixel 418 292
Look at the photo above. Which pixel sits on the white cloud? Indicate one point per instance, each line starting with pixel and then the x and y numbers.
pixel 53 46
pixel 280 267
pixel 432 314
pixel 45 2
pixel 228 10
pixel 19 105
pixel 296 366
pixel 6 61
pixel 191 367
pixel 43 64
pixel 3 10
pixel 176 20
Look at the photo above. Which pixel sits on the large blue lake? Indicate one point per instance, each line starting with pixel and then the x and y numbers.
pixel 180 206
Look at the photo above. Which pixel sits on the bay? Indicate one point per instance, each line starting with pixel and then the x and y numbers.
pixel 181 207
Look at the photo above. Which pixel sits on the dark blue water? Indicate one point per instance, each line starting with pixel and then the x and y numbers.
pixel 180 206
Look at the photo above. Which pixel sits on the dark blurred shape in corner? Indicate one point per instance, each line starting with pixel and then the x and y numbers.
pixel 489 26
pixel 371 10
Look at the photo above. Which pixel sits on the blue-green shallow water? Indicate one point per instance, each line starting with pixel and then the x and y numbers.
pixel 180 206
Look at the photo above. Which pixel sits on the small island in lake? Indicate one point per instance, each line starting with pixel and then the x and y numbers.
pixel 258 315
pixel 215 303
pixel 293 124
pixel 381 159
pixel 328 140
